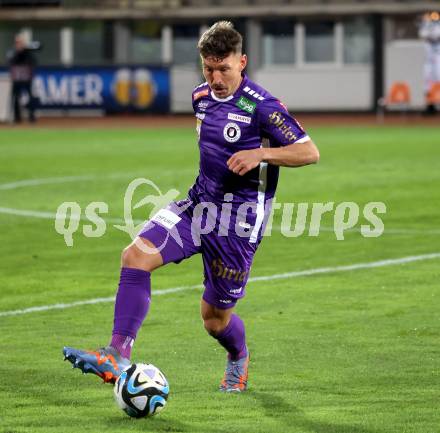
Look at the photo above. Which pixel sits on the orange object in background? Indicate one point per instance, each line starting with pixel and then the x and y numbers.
pixel 399 93
pixel 433 96
pixel 398 97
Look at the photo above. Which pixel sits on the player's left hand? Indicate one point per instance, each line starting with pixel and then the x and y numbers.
pixel 245 160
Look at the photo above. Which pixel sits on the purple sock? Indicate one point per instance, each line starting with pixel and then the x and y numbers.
pixel 122 344
pixel 131 307
pixel 233 338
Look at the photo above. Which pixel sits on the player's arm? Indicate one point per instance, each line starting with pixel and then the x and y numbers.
pixel 292 155
pixel 292 146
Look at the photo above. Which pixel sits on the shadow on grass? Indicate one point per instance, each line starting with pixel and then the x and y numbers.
pixel 157 424
pixel 293 418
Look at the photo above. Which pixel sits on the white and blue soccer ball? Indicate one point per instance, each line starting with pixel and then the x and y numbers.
pixel 141 390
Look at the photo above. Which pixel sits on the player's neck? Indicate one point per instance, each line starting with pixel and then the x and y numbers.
pixel 238 84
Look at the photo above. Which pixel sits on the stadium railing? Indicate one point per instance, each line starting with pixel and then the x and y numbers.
pixel 121 4
pixel 145 4
pixel 26 3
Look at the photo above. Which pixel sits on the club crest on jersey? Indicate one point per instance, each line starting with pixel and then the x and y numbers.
pixel 231 132
pixel 246 105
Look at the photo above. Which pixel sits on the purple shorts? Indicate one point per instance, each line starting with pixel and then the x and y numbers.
pixel 226 259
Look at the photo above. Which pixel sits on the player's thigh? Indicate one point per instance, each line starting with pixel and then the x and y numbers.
pixel 227 263
pixel 170 233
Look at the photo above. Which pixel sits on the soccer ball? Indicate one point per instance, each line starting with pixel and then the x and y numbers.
pixel 141 390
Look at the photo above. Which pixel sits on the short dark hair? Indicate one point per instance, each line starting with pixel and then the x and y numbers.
pixel 220 40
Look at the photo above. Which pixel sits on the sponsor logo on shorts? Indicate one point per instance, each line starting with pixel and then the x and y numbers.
pixel 231 132
pixel 236 291
pixel 221 271
pixel 200 94
pixel 239 118
pixel 166 218
pixel 246 105
pixel 279 121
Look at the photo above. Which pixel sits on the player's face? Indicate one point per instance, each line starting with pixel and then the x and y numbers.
pixel 19 43
pixel 224 75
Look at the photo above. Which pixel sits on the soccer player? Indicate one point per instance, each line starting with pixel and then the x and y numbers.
pixel 245 134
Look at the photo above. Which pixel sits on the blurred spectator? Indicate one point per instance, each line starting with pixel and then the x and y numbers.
pixel 430 31
pixel 22 63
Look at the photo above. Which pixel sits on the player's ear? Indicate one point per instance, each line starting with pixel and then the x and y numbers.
pixel 243 62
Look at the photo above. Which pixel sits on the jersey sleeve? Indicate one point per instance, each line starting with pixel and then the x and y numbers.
pixel 198 93
pixel 193 102
pixel 279 125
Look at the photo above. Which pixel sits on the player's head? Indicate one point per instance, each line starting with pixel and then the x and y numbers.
pixel 220 49
pixel 19 42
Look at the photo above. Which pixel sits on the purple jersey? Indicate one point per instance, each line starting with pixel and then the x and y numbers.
pixel 248 119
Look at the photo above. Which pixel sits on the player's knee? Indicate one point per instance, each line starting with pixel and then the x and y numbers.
pixel 214 326
pixel 128 256
pixel 135 257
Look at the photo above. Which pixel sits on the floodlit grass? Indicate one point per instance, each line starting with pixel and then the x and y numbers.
pixel 354 352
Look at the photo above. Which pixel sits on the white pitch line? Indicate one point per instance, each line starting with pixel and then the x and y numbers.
pixel 54 180
pixel 88 302
pixel 46 181
pixel 294 274
pixel 66 179
pixel 396 231
pixel 378 264
pixel 52 216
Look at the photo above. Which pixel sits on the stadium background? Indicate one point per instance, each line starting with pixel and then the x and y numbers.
pixel 347 54
pixel 344 334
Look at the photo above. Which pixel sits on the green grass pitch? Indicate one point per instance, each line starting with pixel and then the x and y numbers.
pixel 336 352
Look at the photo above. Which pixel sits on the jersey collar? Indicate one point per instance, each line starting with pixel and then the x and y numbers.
pixel 221 99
